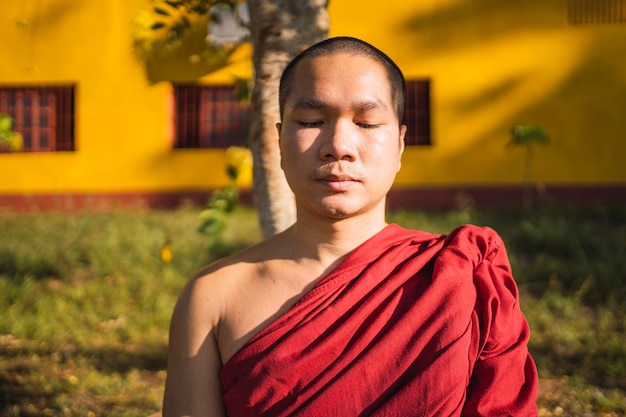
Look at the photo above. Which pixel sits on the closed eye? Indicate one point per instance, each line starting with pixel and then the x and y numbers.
pixel 309 124
pixel 367 125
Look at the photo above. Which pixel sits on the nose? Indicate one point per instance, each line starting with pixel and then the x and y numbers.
pixel 338 142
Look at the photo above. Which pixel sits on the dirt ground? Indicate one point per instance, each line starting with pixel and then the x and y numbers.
pixel 557 397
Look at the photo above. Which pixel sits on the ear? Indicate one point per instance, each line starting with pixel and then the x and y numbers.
pixel 279 125
pixel 403 130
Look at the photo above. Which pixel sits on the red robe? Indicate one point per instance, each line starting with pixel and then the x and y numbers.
pixel 410 324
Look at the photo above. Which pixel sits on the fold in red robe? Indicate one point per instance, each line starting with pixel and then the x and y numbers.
pixel 410 324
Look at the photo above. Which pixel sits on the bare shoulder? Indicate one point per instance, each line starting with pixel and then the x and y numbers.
pixel 212 291
pixel 217 280
pixel 195 357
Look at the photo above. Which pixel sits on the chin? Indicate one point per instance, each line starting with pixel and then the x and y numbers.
pixel 340 212
pixel 339 207
pixel 330 211
pixel 337 214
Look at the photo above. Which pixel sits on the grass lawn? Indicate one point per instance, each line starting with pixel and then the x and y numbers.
pixel 86 301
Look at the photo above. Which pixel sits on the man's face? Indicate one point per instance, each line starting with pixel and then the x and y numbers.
pixel 340 138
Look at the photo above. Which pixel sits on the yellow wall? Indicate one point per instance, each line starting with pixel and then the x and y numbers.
pixel 123 124
pixel 491 64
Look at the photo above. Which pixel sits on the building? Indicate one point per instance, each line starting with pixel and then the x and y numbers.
pixel 102 128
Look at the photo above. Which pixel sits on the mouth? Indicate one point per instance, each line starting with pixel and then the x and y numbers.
pixel 337 182
pixel 336 178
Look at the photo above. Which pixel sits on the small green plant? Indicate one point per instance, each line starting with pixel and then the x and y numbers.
pixel 223 201
pixel 10 140
pixel 527 135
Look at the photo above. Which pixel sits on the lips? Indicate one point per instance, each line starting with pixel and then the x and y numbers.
pixel 337 178
pixel 337 182
pixel 334 172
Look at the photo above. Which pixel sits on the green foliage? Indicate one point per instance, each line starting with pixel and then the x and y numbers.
pixel 576 247
pixel 223 201
pixel 6 127
pixel 525 134
pixel 10 140
pixel 575 339
pixel 176 32
pixel 86 300
pixel 175 21
pixel 213 216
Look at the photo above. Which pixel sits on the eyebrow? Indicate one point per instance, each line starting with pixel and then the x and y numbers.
pixel 315 104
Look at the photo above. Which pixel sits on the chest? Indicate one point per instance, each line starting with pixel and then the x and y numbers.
pixel 257 301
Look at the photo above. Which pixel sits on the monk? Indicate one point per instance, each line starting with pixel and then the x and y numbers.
pixel 343 314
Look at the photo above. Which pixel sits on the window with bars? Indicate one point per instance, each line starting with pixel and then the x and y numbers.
pixel 209 117
pixel 417 113
pixel 43 115
pixel 582 12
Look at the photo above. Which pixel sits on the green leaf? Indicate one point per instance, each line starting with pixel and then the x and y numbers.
pixel 220 204
pixel 6 122
pixel 232 172
pixel 6 127
pixel 157 25
pixel 160 11
pixel 199 9
pixel 211 229
pixel 207 214
pixel 524 134
pixel 174 3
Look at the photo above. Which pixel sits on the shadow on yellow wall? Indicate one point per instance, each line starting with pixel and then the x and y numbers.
pixel 494 64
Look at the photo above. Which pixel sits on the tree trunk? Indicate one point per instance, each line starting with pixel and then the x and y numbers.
pixel 280 29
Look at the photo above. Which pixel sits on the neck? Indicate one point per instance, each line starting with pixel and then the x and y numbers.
pixel 328 241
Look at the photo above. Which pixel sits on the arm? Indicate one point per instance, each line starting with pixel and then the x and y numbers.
pixel 504 380
pixel 192 387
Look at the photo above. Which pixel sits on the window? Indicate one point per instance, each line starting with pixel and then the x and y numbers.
pixel 417 113
pixel 596 11
pixel 209 117
pixel 44 116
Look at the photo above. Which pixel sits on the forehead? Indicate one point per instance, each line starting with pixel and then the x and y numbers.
pixel 340 76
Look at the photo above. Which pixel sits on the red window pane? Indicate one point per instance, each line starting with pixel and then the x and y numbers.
pixel 417 113
pixel 209 117
pixel 596 11
pixel 44 116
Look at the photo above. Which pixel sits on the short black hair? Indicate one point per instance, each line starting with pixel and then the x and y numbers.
pixel 353 46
